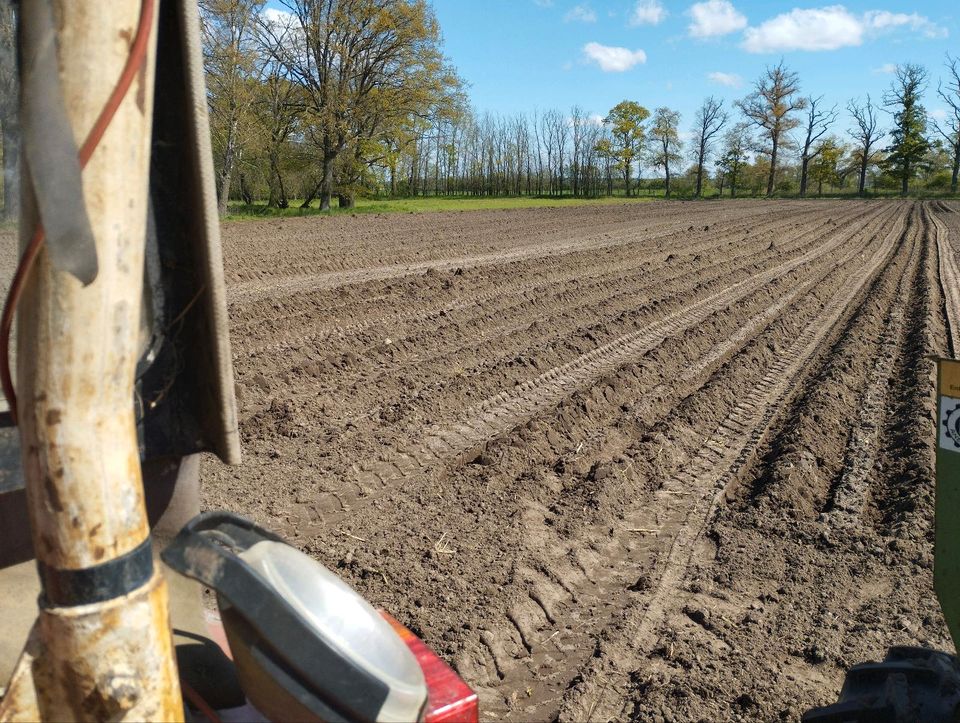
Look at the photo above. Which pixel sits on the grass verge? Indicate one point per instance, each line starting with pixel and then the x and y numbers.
pixel 430 204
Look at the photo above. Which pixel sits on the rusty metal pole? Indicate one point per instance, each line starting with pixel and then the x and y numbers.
pixel 102 648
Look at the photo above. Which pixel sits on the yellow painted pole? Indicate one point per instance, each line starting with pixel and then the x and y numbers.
pixel 103 646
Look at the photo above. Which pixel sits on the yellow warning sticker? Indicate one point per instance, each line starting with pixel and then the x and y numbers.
pixel 949 378
pixel 949 388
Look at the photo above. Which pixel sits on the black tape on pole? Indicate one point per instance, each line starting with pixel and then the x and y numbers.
pixel 112 579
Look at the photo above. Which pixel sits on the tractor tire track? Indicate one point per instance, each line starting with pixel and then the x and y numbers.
pixel 949 281
pixel 544 617
pixel 454 444
pixel 849 495
pixel 704 483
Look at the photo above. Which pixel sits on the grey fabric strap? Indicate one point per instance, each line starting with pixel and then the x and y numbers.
pixel 51 151
pixel 227 435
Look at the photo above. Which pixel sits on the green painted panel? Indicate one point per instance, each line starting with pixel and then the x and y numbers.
pixel 947 546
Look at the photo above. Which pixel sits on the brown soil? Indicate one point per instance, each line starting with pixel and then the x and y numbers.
pixel 651 462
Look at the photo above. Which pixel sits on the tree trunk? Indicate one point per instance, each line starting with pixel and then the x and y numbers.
pixel 310 196
pixel 956 169
pixel 666 169
pixel 905 181
pixel 773 166
pixel 733 186
pixel 804 175
pixel 626 178
pixel 699 190
pixel 284 201
pixel 11 170
pixel 226 173
pixel 862 186
pixel 326 183
pixel 278 194
pixel 722 179
pixel 245 191
pixel 436 170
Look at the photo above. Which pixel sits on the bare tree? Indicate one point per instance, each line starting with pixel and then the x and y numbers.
pixel 560 135
pixel 548 122
pixel 770 107
pixel 709 121
pixel 578 127
pixel 819 120
pixel 949 127
pixel 866 133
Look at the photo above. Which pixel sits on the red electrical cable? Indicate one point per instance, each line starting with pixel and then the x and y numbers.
pixel 199 703
pixel 135 60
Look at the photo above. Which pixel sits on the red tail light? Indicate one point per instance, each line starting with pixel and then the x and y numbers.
pixel 449 699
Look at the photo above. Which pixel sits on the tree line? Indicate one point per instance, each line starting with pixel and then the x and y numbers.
pixel 330 99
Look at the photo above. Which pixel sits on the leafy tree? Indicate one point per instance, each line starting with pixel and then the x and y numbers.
pixel 666 135
pixel 363 64
pixel 735 155
pixel 710 120
pixel 230 56
pixel 866 134
pixel 770 107
pixel 933 171
pixel 278 109
pixel 626 127
pixel 908 139
pixel 949 127
pixel 826 163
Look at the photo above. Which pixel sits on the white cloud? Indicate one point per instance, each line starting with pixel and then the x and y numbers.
pixel 938 114
pixel 886 69
pixel 648 12
pixel 826 28
pixel 731 80
pixel 279 19
pixel 714 17
pixel 829 28
pixel 881 20
pixel 596 119
pixel 613 59
pixel 581 14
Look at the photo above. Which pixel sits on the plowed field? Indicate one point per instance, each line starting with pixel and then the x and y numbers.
pixel 654 462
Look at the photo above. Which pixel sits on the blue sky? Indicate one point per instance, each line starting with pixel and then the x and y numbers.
pixel 521 54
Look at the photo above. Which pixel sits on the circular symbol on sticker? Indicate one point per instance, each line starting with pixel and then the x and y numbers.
pixel 952 425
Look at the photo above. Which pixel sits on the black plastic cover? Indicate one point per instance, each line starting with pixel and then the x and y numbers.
pixel 287 655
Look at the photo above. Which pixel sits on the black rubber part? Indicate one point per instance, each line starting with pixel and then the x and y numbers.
pixel 911 684
pixel 305 675
pixel 112 579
